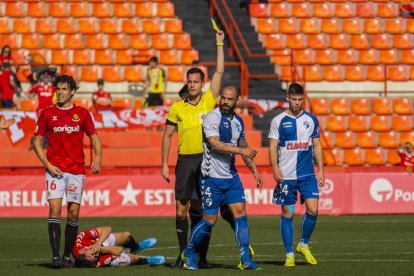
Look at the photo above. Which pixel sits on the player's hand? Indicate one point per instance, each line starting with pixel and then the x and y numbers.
pixel 6 123
pixel 53 170
pixel 219 36
pixel 277 174
pixel 165 172
pixel 321 179
pixel 96 165
pixel 259 179
pixel 248 152
pixel 96 248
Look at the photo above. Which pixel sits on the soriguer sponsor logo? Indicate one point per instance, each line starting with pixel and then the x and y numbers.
pixel 66 128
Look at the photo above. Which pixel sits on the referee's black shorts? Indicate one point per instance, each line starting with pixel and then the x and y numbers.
pixel 187 174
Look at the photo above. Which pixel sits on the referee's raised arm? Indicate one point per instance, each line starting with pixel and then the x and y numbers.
pixel 218 75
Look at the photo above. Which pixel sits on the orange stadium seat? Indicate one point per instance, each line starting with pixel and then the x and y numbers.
pixel 397 73
pixel 168 57
pixel 173 26
pixel 353 157
pixel 332 157
pixel 59 57
pixel 345 140
pixel 87 26
pixel 382 106
pixel 165 10
pixel 44 26
pixel 338 41
pixel 36 9
pixel 392 157
pixel 28 105
pixel 287 26
pixel 411 72
pixel 388 140
pixel 79 10
pixel 317 41
pixel 22 26
pixel 382 41
pixel 182 41
pixel 340 106
pixel 133 74
pixel 58 9
pixel 279 10
pixel 387 10
pixel 82 57
pixel 52 41
pixel 151 26
pixel 335 123
pixel 372 26
pixel 90 74
pixel 330 26
pixel 394 26
pixel 357 123
pixel 309 26
pixel 332 73
pixel 15 9
pixel 95 41
pixel 374 157
pixel 351 26
pixel 346 57
pixel 30 41
pixel 176 74
pixel 366 139
pixel 407 56
pixel 312 73
pixel 388 56
pixel 9 39
pixel 85 103
pixel 354 73
pixel 324 56
pixel 74 41
pixel 380 123
pixel 322 10
pixel 108 26
pixel 144 10
pixel 368 56
pixel 139 42
pixel 258 10
pixel 117 41
pixel 4 26
pixel 65 26
pixel 360 106
pixel 123 10
pixel 295 41
pixel 401 123
pixel 359 41
pixel 344 10
pixel 160 42
pixel 121 103
pixel 282 57
pixel 327 140
pixel 364 10
pixel 409 26
pixel 402 41
pixel 266 26
pixel 130 26
pixel 301 10
pixel 403 106
pixel 102 10
pixel 188 56
pixel 319 106
pixel 112 74
pixel 303 56
pixel 407 137
pixel 123 57
pixel 103 57
pixel 375 73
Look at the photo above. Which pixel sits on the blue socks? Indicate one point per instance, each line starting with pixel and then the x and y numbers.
pixel 286 230
pixel 308 224
pixel 202 229
pixel 243 237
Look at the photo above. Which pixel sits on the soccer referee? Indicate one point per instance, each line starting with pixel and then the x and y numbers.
pixel 187 115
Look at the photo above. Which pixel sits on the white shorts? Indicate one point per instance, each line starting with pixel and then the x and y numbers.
pixel 69 184
pixel 123 259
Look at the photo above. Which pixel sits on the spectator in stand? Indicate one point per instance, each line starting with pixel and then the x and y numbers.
pixel 45 92
pixel 407 9
pixel 101 100
pixel 5 57
pixel 156 84
pixel 407 156
pixel 7 86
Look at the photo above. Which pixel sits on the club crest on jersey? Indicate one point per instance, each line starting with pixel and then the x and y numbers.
pixel 295 146
pixel 202 115
pixel 306 124
pixel 75 118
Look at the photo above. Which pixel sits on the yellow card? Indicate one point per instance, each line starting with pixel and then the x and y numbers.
pixel 214 25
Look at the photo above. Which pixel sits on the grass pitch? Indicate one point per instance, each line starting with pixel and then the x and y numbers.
pixel 344 245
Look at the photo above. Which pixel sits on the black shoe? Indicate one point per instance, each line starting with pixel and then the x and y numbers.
pixel 56 262
pixel 179 263
pixel 67 262
pixel 204 265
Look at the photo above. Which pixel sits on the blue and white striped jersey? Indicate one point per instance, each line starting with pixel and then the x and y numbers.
pixel 295 143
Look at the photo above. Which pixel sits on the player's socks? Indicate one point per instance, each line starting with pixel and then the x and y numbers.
pixel 202 248
pixel 71 231
pixel 286 231
pixel 54 235
pixel 243 237
pixel 132 244
pixel 181 227
pixel 308 224
pixel 227 215
pixel 202 229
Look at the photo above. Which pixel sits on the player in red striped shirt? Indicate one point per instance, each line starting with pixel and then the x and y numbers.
pixel 407 156
pixel 45 91
pixel 64 124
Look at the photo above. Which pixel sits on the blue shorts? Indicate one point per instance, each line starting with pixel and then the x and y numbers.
pixel 285 192
pixel 219 191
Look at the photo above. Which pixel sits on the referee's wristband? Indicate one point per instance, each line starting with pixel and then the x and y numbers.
pixel 220 43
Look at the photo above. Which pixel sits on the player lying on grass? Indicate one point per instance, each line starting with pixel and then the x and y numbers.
pixel 99 247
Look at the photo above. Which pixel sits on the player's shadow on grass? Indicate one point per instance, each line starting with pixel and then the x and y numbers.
pixel 213 265
pixel 279 263
pixel 47 265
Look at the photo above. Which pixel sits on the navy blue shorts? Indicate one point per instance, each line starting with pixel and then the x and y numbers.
pixel 285 192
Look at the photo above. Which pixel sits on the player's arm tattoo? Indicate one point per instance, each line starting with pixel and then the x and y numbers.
pixel 248 161
pixel 218 146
